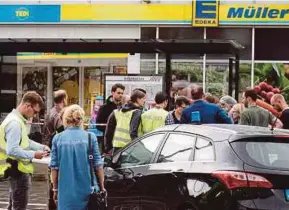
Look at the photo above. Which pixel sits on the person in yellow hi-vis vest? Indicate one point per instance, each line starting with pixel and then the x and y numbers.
pixel 155 117
pixel 123 124
pixel 17 150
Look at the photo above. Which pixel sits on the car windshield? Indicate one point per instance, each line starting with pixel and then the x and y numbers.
pixel 264 152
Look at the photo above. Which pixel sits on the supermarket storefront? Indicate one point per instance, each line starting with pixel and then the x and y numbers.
pixel 261 29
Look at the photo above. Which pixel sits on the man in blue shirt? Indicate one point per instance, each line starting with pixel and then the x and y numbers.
pixel 15 136
pixel 203 112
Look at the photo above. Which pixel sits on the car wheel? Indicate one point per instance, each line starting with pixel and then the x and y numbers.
pixel 188 206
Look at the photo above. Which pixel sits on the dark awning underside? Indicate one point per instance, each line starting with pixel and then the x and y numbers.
pixel 209 46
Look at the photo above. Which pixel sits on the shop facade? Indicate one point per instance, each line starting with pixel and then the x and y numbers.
pixel 261 28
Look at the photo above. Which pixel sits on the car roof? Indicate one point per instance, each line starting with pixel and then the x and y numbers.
pixel 221 132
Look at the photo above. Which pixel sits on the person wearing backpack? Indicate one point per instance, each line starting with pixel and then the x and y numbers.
pixel 17 150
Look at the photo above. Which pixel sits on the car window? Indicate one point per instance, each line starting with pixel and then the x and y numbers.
pixel 204 150
pixel 178 147
pixel 141 152
pixel 264 152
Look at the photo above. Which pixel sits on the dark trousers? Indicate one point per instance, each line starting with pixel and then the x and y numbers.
pixel 19 191
pixel 51 204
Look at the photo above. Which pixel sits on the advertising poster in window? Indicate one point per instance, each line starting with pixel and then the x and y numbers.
pixel 152 84
pixel 271 78
pixel 35 78
pixel 67 78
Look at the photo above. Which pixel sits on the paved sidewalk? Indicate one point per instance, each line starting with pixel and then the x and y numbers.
pixel 37 196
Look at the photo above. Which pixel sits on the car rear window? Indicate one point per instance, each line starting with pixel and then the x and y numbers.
pixel 264 152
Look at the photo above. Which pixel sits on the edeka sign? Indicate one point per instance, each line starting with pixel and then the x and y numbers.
pixel 29 14
pixel 254 14
pixel 205 13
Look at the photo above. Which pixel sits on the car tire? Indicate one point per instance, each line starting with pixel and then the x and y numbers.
pixel 188 206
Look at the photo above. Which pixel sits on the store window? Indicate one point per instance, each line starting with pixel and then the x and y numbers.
pixel 181 33
pixel 148 60
pixel 8 84
pixel 271 78
pixel 217 77
pixel 93 88
pixel 184 75
pixel 271 69
pixel 241 35
pixel 148 66
pixel 35 79
pixel 148 33
pixel 67 78
pixel 9 77
pixel 272 44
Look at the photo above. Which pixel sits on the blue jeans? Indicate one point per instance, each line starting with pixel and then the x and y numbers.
pixel 19 189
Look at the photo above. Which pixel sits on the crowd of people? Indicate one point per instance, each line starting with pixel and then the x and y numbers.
pixel 127 119
pixel 122 119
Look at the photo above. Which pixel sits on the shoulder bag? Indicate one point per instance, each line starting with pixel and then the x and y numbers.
pixel 97 200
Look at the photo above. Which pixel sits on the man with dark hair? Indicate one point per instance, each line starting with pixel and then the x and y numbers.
pixel 17 150
pixel 155 118
pixel 203 112
pixel 113 102
pixel 53 125
pixel 174 117
pixel 255 115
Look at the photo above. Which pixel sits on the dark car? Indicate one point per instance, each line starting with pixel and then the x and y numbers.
pixel 201 167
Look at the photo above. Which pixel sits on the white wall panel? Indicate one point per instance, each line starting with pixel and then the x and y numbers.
pixel 68 32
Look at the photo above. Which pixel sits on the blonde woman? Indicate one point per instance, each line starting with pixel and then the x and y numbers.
pixel 70 163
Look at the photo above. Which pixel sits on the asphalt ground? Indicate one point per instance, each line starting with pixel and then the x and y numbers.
pixel 37 195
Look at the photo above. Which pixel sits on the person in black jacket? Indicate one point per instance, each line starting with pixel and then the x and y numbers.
pixel 113 102
pixel 137 101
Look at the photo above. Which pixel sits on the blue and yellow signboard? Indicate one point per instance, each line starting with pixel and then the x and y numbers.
pixel 200 13
pixel 30 13
pixel 205 13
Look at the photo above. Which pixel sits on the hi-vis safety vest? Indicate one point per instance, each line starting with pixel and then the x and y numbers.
pixel 153 119
pixel 122 131
pixel 24 165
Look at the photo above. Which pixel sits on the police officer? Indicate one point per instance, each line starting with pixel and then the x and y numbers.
pixel 123 124
pixel 155 118
pixel 17 150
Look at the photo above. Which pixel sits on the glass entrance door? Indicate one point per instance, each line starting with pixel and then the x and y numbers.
pixel 67 78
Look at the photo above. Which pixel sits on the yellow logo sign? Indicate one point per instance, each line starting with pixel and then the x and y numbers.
pixel 22 13
pixel 205 13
